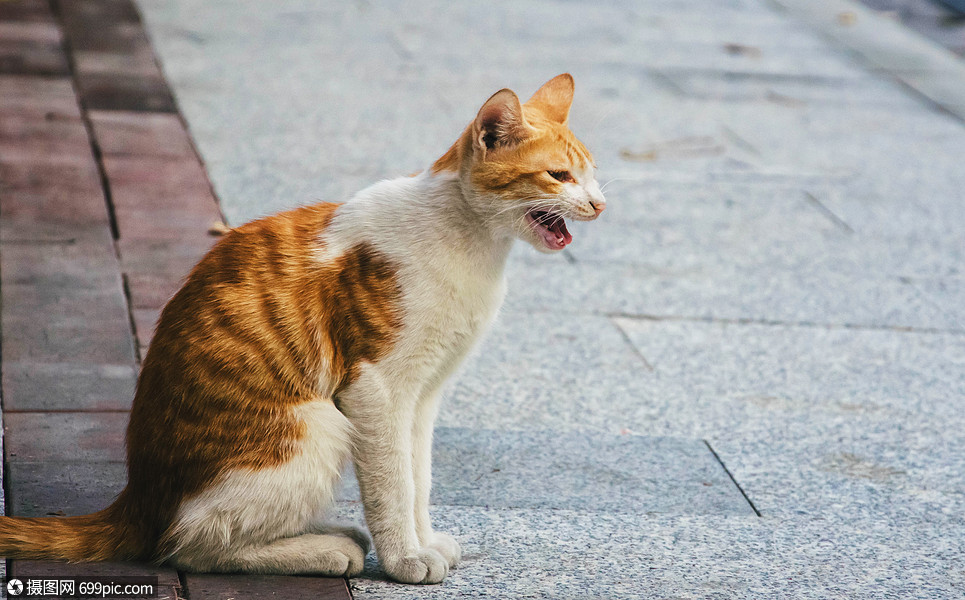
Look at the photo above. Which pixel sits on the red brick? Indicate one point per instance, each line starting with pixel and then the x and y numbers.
pixel 139 63
pixel 44 200
pixel 26 96
pixel 157 198
pixel 26 10
pixel 29 58
pixel 145 223
pixel 175 257
pixel 150 290
pixel 53 437
pixel 145 320
pixel 122 92
pixel 169 587
pixel 176 184
pixel 104 25
pixel 34 141
pixel 40 32
pixel 26 31
pixel 64 303
pixel 156 269
pixel 141 134
pixel 62 267
pixel 166 576
pixel 68 332
pixel 39 489
pixel 259 587
pixel 35 386
pixel 89 12
pixel 94 35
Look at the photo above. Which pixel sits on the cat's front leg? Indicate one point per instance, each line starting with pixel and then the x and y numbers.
pixel 422 429
pixel 383 466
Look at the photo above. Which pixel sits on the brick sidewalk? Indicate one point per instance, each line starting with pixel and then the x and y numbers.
pixel 104 207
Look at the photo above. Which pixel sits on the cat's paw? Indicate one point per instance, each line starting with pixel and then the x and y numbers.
pixel 343 557
pixel 425 566
pixel 447 546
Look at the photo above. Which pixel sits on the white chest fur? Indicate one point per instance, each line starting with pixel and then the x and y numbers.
pixel 444 318
pixel 449 269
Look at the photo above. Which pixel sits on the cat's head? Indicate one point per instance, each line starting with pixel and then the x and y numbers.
pixel 522 169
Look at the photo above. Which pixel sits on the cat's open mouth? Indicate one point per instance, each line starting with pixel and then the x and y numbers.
pixel 551 227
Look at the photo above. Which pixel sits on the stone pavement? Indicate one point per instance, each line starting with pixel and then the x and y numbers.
pixel 745 380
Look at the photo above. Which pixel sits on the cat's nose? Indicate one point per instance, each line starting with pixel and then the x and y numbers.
pixel 596 199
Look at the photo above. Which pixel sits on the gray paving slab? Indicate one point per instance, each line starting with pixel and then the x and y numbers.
pixel 815 420
pixel 578 471
pixel 790 90
pixel 49 437
pixel 548 371
pixel 730 292
pixel 949 293
pixel 776 226
pixel 37 386
pixel 63 488
pixel 568 554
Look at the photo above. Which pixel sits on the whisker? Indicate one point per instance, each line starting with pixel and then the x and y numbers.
pixel 603 187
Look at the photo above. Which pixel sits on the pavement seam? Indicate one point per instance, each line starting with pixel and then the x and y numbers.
pixel 778 323
pixel 827 212
pixel 732 478
pixel 636 350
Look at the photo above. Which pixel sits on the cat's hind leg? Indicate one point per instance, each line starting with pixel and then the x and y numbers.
pixel 262 520
pixel 331 555
pixel 325 527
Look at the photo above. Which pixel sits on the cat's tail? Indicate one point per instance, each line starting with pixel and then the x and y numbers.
pixel 100 536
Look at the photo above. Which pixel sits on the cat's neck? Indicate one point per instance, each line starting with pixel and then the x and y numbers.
pixel 465 226
pixel 428 216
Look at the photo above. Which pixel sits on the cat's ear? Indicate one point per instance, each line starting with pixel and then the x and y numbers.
pixel 499 122
pixel 554 98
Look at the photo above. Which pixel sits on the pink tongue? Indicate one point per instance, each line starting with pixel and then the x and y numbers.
pixel 556 234
pixel 567 238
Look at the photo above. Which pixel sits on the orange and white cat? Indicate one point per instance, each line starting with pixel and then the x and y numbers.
pixel 320 334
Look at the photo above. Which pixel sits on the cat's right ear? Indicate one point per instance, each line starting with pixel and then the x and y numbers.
pixel 499 122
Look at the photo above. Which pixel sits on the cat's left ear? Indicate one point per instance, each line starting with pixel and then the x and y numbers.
pixel 554 98
pixel 499 122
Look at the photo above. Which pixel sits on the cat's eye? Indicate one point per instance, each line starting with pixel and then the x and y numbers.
pixel 561 176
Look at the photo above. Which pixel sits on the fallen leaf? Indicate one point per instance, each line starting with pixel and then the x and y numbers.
pixel 218 228
pixel 847 18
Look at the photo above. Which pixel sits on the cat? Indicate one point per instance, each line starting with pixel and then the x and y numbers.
pixel 323 333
